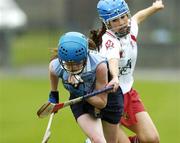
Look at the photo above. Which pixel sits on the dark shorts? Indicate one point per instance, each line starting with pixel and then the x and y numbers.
pixel 132 105
pixel 111 113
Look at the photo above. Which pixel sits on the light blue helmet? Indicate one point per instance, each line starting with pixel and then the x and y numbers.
pixel 110 9
pixel 73 47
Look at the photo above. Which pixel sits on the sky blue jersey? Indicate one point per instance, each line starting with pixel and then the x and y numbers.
pixel 88 75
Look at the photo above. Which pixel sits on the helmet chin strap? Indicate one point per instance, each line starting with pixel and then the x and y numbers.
pixel 123 33
pixel 81 70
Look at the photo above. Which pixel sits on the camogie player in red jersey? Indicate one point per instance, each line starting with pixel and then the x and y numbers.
pixel 117 42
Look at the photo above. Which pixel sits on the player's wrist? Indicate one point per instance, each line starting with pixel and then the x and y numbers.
pixel 115 78
pixel 54 97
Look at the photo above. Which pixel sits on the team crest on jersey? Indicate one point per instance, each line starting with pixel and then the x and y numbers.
pixel 109 44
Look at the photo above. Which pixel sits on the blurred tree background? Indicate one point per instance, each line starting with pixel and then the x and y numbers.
pixel 159 44
pixel 158 36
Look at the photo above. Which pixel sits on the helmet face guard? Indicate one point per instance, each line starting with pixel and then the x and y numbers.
pixel 110 10
pixel 73 51
pixel 73 67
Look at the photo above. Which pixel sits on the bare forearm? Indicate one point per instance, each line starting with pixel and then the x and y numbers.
pixel 114 71
pixel 53 79
pixel 145 13
pixel 113 67
pixel 98 101
pixel 54 82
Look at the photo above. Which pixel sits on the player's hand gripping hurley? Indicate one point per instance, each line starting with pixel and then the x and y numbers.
pixel 49 108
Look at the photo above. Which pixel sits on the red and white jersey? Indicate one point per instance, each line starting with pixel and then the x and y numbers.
pixel 125 49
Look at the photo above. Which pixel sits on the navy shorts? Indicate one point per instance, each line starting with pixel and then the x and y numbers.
pixel 111 113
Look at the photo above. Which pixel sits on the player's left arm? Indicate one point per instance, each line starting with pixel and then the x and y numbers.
pixel 141 15
pixel 100 100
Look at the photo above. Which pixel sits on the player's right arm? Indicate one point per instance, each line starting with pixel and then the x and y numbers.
pixel 111 51
pixel 53 79
pixel 54 93
pixel 141 15
pixel 114 71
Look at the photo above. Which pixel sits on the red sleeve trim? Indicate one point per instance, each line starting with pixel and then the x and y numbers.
pixel 110 34
pixel 133 38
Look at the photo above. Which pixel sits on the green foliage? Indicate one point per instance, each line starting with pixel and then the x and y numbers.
pixel 21 97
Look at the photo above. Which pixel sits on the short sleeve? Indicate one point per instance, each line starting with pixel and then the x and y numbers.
pixel 109 47
pixel 55 67
pixel 134 27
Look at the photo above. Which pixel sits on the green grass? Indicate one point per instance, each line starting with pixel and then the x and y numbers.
pixel 162 102
pixel 19 100
pixel 21 97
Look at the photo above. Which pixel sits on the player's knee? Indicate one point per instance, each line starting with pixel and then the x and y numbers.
pixel 153 138
pixel 98 139
pixel 112 140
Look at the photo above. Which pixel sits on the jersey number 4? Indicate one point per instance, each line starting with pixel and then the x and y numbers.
pixel 126 69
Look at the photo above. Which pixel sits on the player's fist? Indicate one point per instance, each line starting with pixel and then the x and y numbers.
pixel 115 83
pixel 158 4
pixel 75 80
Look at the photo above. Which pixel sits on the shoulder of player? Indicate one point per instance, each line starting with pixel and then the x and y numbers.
pixel 134 29
pixel 93 52
pixel 55 66
pixel 133 21
pixel 96 55
pixel 109 39
pixel 53 63
pixel 109 35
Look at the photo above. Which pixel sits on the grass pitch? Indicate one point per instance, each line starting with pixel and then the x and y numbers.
pixel 21 97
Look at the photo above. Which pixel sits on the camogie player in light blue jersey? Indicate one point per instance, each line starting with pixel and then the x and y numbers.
pixel 81 73
pixel 117 41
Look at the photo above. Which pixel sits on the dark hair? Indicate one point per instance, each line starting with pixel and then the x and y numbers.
pixel 54 53
pixel 96 36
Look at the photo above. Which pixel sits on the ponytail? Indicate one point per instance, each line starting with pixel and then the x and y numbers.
pixel 96 36
pixel 54 53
